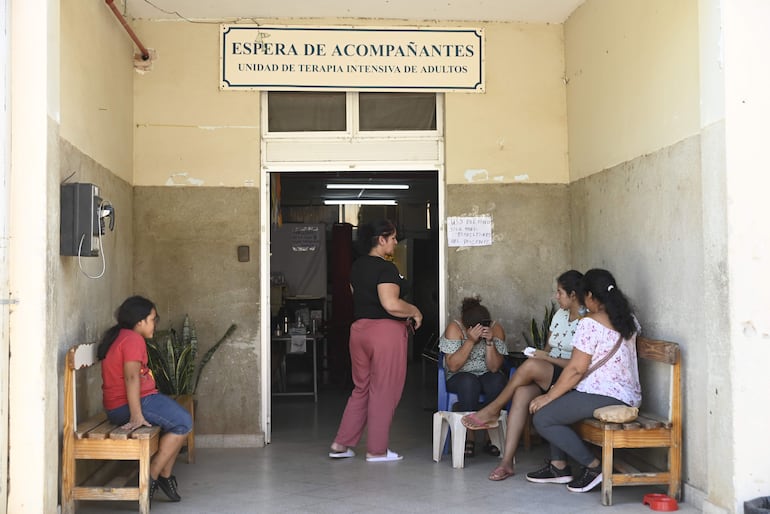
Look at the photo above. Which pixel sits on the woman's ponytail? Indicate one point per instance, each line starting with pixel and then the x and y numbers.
pixel 601 284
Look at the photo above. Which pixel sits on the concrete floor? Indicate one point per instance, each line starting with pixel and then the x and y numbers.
pixel 293 474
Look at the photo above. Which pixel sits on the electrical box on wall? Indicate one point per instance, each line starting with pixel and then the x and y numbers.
pixel 81 209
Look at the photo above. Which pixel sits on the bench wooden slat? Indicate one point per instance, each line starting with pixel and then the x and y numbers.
pixel 104 493
pixel 624 467
pixel 661 351
pixel 102 473
pixel 127 476
pixel 101 431
pixel 647 422
pixel 86 426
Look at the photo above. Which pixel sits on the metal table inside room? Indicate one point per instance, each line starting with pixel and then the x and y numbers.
pixel 288 344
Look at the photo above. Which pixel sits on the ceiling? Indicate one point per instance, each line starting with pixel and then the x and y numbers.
pixel 531 11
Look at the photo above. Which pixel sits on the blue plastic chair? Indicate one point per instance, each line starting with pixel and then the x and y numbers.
pixel 446 400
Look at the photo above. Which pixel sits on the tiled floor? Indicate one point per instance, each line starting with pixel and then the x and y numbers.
pixel 293 474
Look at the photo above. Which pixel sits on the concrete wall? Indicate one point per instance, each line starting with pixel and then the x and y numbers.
pixel 94 144
pixel 185 260
pixel 516 276
pixel 641 204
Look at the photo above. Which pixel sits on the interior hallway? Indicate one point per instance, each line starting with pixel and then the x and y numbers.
pixel 294 474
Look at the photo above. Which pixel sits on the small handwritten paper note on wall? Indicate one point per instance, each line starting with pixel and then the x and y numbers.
pixel 469 230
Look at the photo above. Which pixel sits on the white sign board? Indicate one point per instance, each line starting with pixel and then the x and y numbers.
pixel 469 230
pixel 426 59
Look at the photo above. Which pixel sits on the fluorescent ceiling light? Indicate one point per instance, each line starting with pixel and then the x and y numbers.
pixel 367 186
pixel 360 202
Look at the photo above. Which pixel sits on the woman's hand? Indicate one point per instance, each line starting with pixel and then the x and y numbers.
pixel 538 354
pixel 539 402
pixel 136 422
pixel 476 332
pixel 417 320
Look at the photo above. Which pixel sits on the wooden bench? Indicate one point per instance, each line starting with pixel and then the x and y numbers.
pixel 98 439
pixel 648 431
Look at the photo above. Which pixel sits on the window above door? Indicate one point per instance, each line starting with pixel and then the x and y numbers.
pixel 352 114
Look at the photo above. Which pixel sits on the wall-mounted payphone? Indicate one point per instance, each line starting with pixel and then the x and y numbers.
pixel 84 219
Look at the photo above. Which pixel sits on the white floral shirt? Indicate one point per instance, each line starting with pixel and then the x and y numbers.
pixel 619 376
pixel 477 360
pixel 562 331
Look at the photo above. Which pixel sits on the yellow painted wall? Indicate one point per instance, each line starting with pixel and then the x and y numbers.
pixel 188 132
pixel 633 84
pixel 97 85
pixel 517 130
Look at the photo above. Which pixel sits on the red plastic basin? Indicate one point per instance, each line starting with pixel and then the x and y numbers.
pixel 660 502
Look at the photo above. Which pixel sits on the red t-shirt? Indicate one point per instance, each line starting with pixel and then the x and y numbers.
pixel 129 346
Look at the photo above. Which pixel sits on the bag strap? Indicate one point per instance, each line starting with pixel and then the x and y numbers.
pixel 605 358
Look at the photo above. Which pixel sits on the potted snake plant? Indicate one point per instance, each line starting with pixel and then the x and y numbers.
pixel 172 359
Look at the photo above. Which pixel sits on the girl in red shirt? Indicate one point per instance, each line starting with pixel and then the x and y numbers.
pixel 130 396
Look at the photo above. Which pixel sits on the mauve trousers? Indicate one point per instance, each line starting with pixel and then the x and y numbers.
pixel 378 357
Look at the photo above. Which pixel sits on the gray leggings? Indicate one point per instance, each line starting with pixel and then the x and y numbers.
pixel 554 421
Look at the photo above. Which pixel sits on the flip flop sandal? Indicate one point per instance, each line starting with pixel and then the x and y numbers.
pixel 499 473
pixel 491 449
pixel 344 454
pixel 472 422
pixel 470 449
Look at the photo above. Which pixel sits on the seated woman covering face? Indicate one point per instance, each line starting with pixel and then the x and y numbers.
pixel 535 375
pixel 474 349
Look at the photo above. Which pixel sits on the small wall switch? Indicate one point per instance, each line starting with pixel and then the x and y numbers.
pixel 243 253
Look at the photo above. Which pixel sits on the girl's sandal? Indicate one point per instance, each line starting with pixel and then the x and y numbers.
pixel 491 449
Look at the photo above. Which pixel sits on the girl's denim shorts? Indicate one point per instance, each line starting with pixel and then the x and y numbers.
pixel 159 410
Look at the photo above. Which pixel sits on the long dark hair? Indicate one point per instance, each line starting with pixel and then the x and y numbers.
pixel 601 284
pixel 571 281
pixel 131 311
pixel 472 312
pixel 369 233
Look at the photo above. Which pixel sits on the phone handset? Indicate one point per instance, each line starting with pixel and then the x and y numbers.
pixel 106 210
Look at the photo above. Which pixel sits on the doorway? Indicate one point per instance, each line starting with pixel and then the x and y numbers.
pixel 311 139
pixel 305 200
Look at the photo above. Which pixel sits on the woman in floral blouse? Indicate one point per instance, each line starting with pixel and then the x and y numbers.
pixel 602 371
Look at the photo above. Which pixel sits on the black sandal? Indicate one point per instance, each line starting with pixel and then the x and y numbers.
pixel 491 449
pixel 470 449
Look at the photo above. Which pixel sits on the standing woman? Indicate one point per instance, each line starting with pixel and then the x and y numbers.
pixel 130 396
pixel 378 345
pixel 602 371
